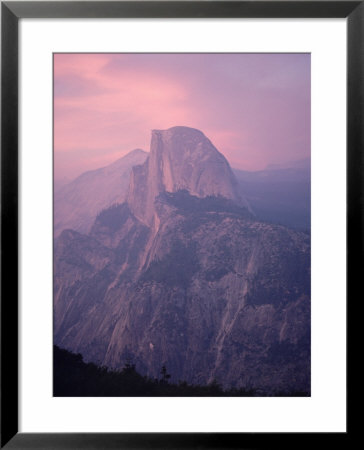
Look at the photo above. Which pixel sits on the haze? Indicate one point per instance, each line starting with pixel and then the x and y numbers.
pixel 255 108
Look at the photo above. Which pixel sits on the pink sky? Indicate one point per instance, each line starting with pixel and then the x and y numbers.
pixel 255 108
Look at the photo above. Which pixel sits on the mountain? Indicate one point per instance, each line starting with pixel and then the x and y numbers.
pixel 77 203
pixel 180 158
pixel 300 164
pixel 183 274
pixel 280 193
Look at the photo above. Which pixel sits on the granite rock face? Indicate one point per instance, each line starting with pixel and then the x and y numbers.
pixel 183 274
pixel 181 158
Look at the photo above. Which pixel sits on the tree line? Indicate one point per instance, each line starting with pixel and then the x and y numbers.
pixel 72 377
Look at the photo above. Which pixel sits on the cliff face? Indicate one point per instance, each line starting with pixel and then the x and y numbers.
pixel 180 158
pixel 183 275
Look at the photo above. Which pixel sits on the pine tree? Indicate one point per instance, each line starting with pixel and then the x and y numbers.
pixel 165 376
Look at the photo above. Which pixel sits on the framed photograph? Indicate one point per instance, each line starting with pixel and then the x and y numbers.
pixel 181 211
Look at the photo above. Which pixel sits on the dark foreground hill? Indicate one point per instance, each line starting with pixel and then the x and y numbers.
pixel 74 378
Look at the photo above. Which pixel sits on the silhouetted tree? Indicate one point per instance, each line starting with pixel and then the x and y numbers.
pixel 129 366
pixel 165 376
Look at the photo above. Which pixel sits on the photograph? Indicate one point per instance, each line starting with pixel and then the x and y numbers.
pixel 181 224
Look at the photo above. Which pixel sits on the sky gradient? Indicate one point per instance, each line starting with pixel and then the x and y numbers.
pixel 255 108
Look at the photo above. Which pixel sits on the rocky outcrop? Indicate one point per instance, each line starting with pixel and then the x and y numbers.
pixel 77 204
pixel 180 158
pixel 184 275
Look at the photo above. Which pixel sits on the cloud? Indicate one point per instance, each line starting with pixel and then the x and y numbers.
pixel 254 108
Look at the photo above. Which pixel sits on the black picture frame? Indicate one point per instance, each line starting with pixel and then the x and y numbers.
pixel 11 12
